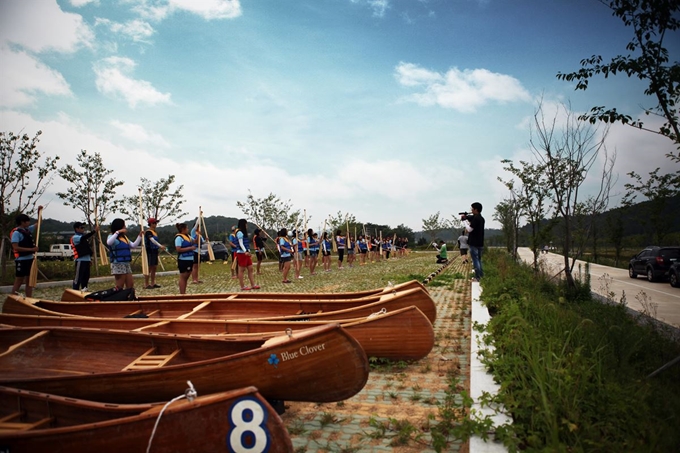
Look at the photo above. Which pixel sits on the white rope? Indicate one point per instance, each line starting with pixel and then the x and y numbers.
pixel 381 312
pixel 189 394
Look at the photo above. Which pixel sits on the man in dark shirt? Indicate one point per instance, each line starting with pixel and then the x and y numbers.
pixel 474 224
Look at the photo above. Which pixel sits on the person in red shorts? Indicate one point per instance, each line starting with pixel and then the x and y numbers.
pixel 243 256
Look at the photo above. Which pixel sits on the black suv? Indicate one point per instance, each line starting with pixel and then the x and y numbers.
pixel 674 274
pixel 219 249
pixel 654 262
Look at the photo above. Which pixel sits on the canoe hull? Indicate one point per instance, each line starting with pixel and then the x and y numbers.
pixel 209 423
pixel 404 334
pixel 320 364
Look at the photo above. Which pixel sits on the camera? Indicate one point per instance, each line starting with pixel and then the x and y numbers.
pixel 464 213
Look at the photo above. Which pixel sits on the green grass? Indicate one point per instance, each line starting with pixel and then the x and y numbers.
pixel 573 371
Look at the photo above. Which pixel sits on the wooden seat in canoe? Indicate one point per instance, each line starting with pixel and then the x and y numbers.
pixel 150 360
pixel 301 312
pixel 26 341
pixel 196 309
pixel 8 423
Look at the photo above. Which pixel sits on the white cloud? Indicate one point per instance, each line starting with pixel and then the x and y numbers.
pixel 379 7
pixel 137 30
pixel 113 80
pixel 23 77
pixel 138 134
pixel 207 9
pixel 80 3
pixel 40 25
pixel 464 91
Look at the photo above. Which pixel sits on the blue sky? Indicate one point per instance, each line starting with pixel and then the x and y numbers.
pixel 390 110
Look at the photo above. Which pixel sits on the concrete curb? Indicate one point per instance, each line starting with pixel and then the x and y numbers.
pixel 481 380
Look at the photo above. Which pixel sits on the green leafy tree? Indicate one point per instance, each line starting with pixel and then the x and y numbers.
pixel 270 212
pixel 159 200
pixel 507 213
pixel 532 195
pixel 653 23
pixel 433 225
pixel 24 177
pixel 657 190
pixel 91 187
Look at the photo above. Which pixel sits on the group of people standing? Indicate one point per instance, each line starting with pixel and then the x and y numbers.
pixel 299 248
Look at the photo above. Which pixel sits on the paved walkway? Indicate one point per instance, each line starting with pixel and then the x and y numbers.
pixel 657 299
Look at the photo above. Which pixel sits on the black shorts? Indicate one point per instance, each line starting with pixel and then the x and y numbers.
pixel 259 255
pixel 341 254
pixel 185 266
pixel 285 259
pixel 314 253
pixel 195 258
pixel 152 257
pixel 327 253
pixel 23 267
pixel 463 251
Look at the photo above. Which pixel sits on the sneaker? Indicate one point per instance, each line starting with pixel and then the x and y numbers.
pixel 156 286
pixel 85 289
pixel 256 287
pixel 148 287
pixel 300 276
pixel 286 281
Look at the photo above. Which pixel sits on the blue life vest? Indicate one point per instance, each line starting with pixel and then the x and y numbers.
pixel 246 243
pixel 25 242
pixel 363 245
pixel 120 252
pixel 285 247
pixel 341 242
pixel 148 234
pixel 233 241
pixel 186 242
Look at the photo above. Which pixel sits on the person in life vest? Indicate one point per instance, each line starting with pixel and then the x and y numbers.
pixel 258 242
pixel 243 256
pixel 340 241
pixel 326 252
pixel 286 248
pixel 185 246
pixel 298 254
pixel 313 244
pixel 363 250
pixel 152 249
pixel 24 249
pixel 82 254
pixel 351 245
pixel 233 244
pixel 120 257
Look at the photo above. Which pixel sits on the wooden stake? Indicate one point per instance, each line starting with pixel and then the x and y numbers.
pixel 33 276
pixel 145 261
pixel 211 253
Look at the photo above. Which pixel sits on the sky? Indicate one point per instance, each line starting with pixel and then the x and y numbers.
pixel 388 110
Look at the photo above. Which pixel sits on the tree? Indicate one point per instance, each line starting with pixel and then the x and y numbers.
pixel 158 199
pixel 433 225
pixel 658 189
pixel 532 197
pixel 568 153
pixel 23 180
pixel 507 214
pixel 269 212
pixel 90 188
pixel 652 23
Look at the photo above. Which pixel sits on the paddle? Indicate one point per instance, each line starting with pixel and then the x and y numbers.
pixel 211 253
pixel 145 261
pixel 33 276
pixel 103 255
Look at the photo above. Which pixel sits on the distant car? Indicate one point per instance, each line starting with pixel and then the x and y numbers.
pixel 653 262
pixel 219 249
pixel 674 274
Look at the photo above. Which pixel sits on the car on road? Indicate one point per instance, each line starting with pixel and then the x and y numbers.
pixel 674 274
pixel 654 262
pixel 219 249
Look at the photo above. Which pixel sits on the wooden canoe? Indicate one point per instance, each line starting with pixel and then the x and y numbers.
pixel 403 334
pixel 227 309
pixel 319 364
pixel 238 420
pixel 72 295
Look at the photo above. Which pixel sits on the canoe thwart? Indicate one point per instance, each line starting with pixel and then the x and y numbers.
pixel 9 426
pixel 26 341
pixel 195 309
pixel 148 360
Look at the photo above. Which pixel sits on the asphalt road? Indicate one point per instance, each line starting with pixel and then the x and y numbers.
pixel 657 299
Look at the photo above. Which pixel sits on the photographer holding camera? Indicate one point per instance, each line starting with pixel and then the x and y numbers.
pixel 474 225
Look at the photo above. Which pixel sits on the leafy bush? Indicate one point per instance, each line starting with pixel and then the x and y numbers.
pixel 573 371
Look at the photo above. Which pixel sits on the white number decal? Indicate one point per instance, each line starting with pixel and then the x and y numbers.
pixel 248 429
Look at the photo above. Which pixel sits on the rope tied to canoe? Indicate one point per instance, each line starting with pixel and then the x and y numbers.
pixel 378 313
pixel 190 394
